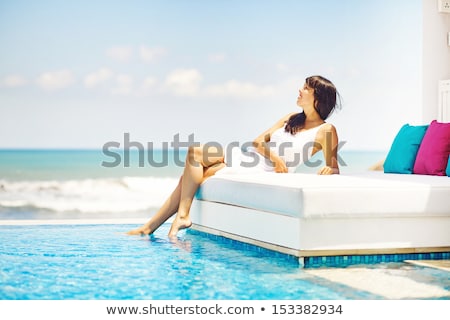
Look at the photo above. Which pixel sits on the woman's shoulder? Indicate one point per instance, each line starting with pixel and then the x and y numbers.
pixel 327 127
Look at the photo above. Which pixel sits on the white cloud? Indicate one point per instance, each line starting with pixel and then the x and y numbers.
pixel 149 82
pixel 148 54
pixel 13 81
pixel 120 53
pixel 124 84
pixel 217 57
pixel 148 86
pixel 188 82
pixel 97 78
pixel 234 88
pixel 184 82
pixel 55 80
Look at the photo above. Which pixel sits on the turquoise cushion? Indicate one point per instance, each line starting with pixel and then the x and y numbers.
pixel 448 168
pixel 402 155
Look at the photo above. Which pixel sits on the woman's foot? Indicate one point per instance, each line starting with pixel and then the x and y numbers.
pixel 179 224
pixel 141 231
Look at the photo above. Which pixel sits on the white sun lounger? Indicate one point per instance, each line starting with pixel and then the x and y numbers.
pixel 312 215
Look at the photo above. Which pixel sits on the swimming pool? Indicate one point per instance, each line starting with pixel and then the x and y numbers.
pixel 97 261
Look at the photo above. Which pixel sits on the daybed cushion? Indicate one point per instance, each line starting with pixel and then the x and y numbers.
pixel 432 156
pixel 403 151
pixel 448 167
pixel 312 196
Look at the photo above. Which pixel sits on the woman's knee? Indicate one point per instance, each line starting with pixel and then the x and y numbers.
pixel 204 155
pixel 195 155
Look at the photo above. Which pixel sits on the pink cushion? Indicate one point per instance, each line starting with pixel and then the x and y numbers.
pixel 432 156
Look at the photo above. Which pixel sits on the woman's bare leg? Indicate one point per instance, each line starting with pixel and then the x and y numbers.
pixel 201 162
pixel 168 209
pixel 196 170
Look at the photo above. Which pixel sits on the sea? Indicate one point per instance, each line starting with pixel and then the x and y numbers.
pixel 94 184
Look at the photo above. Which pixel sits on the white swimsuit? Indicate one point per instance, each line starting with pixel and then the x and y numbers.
pixel 294 149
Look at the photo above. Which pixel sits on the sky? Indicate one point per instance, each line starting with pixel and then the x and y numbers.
pixel 80 74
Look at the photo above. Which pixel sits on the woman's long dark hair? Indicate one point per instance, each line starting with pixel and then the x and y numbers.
pixel 325 101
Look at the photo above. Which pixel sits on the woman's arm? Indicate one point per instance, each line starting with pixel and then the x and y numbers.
pixel 261 146
pixel 379 166
pixel 328 141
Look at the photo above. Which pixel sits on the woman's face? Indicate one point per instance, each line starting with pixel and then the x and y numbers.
pixel 305 97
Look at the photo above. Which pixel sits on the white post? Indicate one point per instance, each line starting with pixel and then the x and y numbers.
pixel 444 101
pixel 435 58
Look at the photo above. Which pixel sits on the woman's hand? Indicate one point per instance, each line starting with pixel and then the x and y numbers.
pixel 280 165
pixel 328 170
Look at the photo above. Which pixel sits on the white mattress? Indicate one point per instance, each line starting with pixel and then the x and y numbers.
pixel 371 194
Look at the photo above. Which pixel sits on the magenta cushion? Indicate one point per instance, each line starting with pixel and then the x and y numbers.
pixel 432 156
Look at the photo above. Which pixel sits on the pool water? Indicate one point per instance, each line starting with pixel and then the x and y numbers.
pixel 99 261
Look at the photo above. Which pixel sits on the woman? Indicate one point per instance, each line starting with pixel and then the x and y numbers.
pixel 294 133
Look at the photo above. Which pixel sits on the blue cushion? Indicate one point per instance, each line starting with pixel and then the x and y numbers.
pixel 447 172
pixel 402 154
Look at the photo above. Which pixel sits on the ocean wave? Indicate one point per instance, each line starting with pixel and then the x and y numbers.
pixel 126 194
